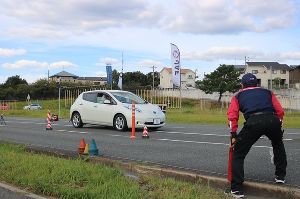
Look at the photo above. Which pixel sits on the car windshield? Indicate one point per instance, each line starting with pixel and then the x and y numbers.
pixel 128 98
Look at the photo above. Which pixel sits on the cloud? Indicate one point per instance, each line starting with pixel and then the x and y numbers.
pixel 108 61
pixel 218 53
pixel 222 17
pixel 5 52
pixel 38 32
pixel 82 14
pixel 192 16
pixel 290 55
pixel 29 64
pixel 239 53
pixel 101 74
pixel 150 63
pixel 61 64
pixel 25 64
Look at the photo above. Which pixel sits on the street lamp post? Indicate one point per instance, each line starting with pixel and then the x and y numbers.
pixel 59 88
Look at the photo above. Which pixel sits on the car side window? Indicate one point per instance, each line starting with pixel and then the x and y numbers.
pixel 101 97
pixel 91 97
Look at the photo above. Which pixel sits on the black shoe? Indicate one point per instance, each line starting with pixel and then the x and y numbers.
pixel 279 180
pixel 237 194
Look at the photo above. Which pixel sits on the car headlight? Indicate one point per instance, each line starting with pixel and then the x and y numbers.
pixel 158 108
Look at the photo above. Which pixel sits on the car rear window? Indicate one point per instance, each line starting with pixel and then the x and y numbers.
pixel 91 97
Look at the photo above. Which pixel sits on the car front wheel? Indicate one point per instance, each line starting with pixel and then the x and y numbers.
pixel 120 122
pixel 76 120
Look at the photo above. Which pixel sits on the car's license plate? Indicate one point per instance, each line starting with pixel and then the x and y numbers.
pixel 156 121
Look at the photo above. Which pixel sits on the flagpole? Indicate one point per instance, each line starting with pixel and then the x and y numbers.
pixel 122 70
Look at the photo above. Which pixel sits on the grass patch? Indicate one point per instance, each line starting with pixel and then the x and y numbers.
pixel 195 115
pixel 67 178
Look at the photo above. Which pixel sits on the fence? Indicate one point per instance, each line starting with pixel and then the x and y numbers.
pixel 8 104
pixel 172 98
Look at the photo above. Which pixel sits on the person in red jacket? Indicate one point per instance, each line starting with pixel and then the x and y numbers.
pixel 264 115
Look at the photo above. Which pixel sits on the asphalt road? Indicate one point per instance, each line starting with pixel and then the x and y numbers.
pixel 198 148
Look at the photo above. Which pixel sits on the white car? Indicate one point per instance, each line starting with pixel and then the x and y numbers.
pixel 114 108
pixel 32 107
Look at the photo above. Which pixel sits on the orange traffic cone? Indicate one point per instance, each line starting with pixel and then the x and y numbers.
pixel 86 150
pixel 81 147
pixel 145 133
pixel 49 126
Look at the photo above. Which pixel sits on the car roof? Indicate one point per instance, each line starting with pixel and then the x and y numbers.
pixel 108 91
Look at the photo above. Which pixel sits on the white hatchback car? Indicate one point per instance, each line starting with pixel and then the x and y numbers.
pixel 32 107
pixel 114 108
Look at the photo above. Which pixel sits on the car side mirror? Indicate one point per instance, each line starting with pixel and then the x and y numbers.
pixel 106 102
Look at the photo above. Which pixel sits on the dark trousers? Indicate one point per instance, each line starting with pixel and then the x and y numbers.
pixel 254 128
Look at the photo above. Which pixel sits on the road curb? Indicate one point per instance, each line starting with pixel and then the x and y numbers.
pixel 261 189
pixel 20 191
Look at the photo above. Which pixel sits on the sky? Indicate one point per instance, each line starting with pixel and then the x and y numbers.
pixel 82 36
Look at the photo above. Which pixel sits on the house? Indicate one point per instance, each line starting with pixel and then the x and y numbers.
pixel 267 71
pixel 295 76
pixel 64 76
pixel 188 78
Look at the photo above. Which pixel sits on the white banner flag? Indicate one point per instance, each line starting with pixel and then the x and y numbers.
pixel 175 58
pixel 120 82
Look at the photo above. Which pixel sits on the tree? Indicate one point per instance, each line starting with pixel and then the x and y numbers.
pixel 134 80
pixel 14 81
pixel 150 79
pixel 224 78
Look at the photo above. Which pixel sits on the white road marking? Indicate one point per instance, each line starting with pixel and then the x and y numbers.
pixel 119 136
pixel 272 155
pixel 188 141
pixel 22 121
pixel 212 143
pixel 63 130
pixel 184 133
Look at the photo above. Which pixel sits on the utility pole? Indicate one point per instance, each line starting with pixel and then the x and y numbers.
pixel 153 67
pixel 271 70
pixel 246 59
pixel 59 90
pixel 153 78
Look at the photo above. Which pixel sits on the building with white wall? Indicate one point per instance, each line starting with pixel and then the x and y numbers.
pixel 188 78
pixel 267 71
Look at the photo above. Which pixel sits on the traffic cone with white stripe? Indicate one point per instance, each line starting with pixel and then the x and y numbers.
pixel 145 132
pixel 49 126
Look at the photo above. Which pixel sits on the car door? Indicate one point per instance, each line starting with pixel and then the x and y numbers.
pixel 104 113
pixel 88 106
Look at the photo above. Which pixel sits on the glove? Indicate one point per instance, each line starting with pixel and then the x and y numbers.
pixel 233 136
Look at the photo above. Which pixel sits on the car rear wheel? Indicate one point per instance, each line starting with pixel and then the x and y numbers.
pixel 76 120
pixel 120 122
